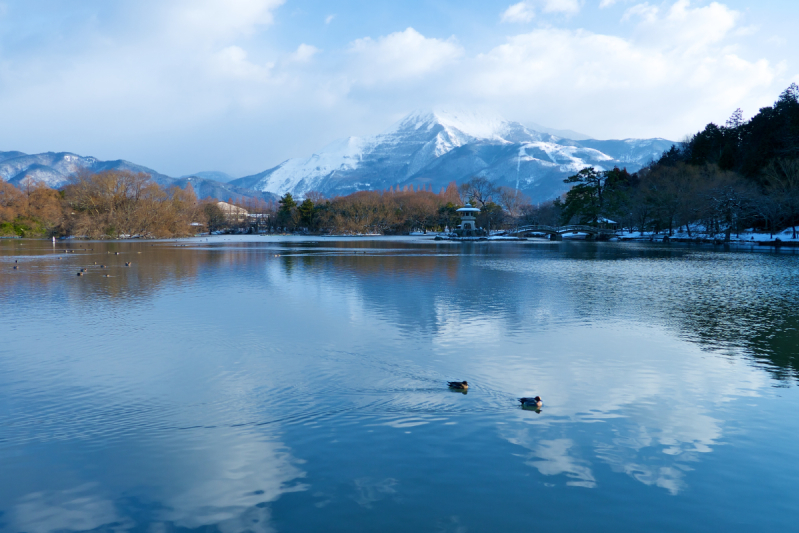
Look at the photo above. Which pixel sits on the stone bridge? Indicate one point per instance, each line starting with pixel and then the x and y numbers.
pixel 556 232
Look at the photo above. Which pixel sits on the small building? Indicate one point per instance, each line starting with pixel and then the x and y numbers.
pixel 606 223
pixel 233 213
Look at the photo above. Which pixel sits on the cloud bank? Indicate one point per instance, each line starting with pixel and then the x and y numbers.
pixel 183 85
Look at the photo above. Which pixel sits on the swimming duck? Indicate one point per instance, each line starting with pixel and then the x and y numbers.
pixel 458 385
pixel 531 402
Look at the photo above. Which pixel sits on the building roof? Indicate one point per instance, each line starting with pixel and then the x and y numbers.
pixel 468 209
pixel 232 210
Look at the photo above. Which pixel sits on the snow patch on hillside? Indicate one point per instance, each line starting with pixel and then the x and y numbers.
pixel 344 154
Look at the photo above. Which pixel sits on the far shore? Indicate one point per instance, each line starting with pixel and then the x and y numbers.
pixel 777 240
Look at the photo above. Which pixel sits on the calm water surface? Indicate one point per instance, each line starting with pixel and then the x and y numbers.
pixel 259 384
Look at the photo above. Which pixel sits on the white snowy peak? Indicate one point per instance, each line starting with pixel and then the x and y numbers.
pixel 432 148
pixel 456 123
pixel 414 142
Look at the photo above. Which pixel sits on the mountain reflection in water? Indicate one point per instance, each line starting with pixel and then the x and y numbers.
pixel 293 384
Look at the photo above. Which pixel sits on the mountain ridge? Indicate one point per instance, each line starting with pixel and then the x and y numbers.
pixel 425 149
pixel 432 148
pixel 55 168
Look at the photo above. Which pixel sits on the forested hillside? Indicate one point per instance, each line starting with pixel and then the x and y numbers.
pixel 744 174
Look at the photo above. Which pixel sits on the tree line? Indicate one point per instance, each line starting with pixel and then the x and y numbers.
pixel 400 211
pixel 110 204
pixel 119 204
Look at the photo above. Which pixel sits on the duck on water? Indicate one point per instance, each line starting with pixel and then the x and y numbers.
pixel 458 385
pixel 531 402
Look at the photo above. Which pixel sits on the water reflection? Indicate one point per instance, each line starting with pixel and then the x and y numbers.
pixel 225 482
pixel 254 385
pixel 75 509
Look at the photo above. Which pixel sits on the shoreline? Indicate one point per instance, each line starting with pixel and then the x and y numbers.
pixel 439 238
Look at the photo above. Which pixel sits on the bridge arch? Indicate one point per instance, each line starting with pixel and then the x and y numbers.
pixel 557 232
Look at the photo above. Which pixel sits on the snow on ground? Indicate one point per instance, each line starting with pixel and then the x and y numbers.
pixel 744 236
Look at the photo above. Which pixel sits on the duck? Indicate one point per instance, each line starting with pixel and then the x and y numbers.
pixel 531 402
pixel 458 385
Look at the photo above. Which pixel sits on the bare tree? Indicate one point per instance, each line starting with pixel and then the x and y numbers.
pixel 478 190
pixel 513 201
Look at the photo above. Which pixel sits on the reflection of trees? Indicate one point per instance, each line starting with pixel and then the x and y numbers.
pixel 768 330
pixel 734 307
pixel 726 301
pixel 153 267
pixel 705 296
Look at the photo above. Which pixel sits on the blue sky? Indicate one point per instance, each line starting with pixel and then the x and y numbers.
pixel 240 85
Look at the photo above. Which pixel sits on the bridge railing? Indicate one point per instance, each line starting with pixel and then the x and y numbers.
pixel 572 228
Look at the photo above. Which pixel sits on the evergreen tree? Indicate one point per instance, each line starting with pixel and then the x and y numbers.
pixel 585 200
pixel 286 211
pixel 307 212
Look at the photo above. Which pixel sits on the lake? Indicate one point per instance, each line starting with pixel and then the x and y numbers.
pixel 285 384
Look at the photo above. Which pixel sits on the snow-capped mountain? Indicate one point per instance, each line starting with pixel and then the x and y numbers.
pixel 426 149
pixel 55 169
pixel 430 149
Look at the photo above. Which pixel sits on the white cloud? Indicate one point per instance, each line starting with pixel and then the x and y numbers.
pixel 525 11
pixel 170 71
pixel 645 12
pixel 521 12
pixel 682 25
pixel 211 20
pixel 232 62
pixel 329 18
pixel 569 7
pixel 607 3
pixel 304 53
pixel 676 67
pixel 402 55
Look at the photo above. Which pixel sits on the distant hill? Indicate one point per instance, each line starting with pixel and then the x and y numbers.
pixel 214 175
pixel 55 168
pixel 432 148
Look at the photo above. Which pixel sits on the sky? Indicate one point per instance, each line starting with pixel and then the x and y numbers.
pixel 238 86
